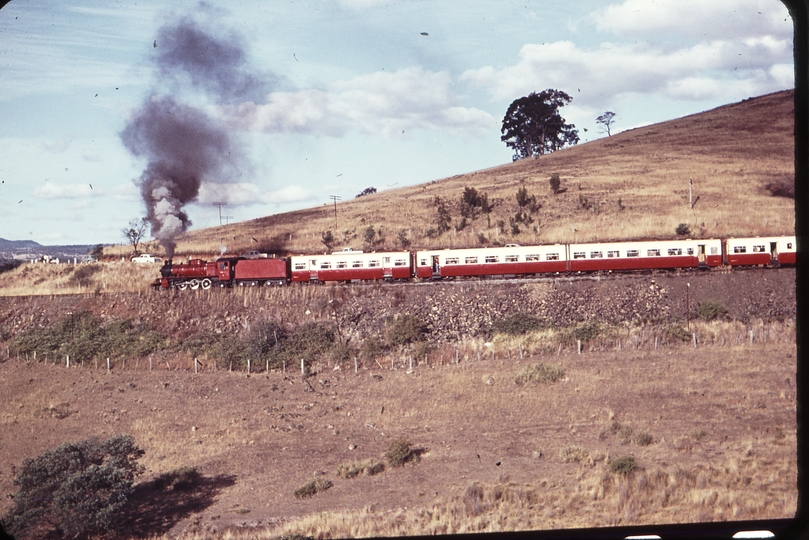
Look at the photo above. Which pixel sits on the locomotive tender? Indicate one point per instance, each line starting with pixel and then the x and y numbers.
pixel 508 261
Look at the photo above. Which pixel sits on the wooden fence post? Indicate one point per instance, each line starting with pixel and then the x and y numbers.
pixel 108 364
pixel 196 366
pixel 67 361
pixel 303 368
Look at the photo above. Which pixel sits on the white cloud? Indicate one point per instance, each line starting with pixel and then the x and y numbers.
pixel 695 18
pixel 50 190
pixel 246 194
pixel 379 103
pixel 703 70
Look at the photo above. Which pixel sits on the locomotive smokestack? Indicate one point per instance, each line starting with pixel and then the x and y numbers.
pixel 183 145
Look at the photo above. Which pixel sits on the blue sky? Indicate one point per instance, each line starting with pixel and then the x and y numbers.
pixel 338 95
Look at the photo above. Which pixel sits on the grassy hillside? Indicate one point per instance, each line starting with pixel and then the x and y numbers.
pixel 631 185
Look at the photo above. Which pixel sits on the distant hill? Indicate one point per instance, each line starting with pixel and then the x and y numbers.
pixel 632 185
pixel 28 249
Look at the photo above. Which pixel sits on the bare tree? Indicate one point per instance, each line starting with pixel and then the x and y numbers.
pixel 134 232
pixel 607 119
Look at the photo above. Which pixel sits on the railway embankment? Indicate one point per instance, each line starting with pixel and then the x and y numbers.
pixel 450 310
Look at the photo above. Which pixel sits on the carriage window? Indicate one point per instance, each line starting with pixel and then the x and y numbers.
pixel 387 260
pixel 613 254
pixel 452 260
pixel 356 264
pixel 471 260
pixel 399 262
pixel 596 255
pixel 675 251
pixel 529 258
pixel 512 258
pixel 298 266
pixel 653 253
pixel 342 264
pixel 789 245
pixel 632 253
pixel 548 257
pixel 690 251
pixel 325 265
pixel 492 258
pixel 423 262
pixel 374 264
pixel 758 249
pixel 739 249
pixel 578 255
pixel 714 251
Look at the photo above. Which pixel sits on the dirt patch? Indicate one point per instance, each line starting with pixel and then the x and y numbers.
pixel 257 439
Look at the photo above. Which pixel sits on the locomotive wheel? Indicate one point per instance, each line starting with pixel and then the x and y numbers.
pixel 194 284
pixel 182 285
pixel 206 284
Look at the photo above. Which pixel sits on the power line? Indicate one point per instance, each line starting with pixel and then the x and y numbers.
pixel 220 205
pixel 335 198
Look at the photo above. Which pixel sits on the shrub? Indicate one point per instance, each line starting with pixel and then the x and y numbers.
pixel 517 324
pixel 624 465
pixel 341 352
pixel 180 479
pixel 79 488
pixel 556 183
pixel 83 336
pixel 683 229
pixel 327 238
pixel 403 329
pixel 710 310
pixel 677 333
pixel 573 454
pixel 404 241
pixel 85 272
pixel 399 453
pixel 310 489
pixel 368 466
pixel 372 348
pixel 781 189
pixel 539 373
pixel 642 439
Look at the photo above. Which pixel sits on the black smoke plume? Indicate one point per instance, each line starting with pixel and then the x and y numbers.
pixel 189 54
pixel 182 144
pixel 183 147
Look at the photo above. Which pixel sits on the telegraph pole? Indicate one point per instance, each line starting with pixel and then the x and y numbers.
pixel 220 205
pixel 335 198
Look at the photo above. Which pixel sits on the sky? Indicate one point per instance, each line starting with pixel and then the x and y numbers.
pixel 117 110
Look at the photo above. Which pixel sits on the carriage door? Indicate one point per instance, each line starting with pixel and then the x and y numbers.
pixel 387 269
pixel 312 269
pixel 774 254
pixel 701 262
pixel 436 267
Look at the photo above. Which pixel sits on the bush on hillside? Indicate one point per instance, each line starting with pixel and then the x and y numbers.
pixel 84 336
pixel 79 488
pixel 399 453
pixel 404 329
pixel 540 373
pixel 710 310
pixel 517 324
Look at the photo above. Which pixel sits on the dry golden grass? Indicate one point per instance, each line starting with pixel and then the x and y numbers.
pixel 635 184
pixel 85 278
pixel 492 453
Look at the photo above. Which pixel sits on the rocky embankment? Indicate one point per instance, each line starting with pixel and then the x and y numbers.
pixel 451 310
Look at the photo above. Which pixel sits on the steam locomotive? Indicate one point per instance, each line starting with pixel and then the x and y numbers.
pixel 511 260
